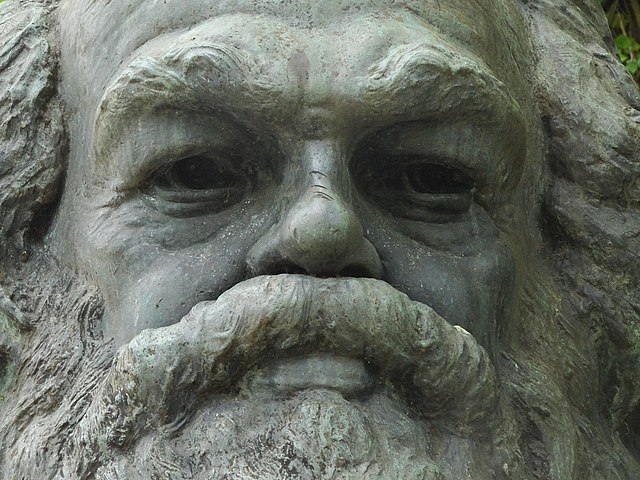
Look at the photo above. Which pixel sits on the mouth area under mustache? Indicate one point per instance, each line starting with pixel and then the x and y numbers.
pixel 293 330
pixel 285 376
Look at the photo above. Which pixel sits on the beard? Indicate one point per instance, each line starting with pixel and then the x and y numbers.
pixel 236 389
pixel 312 434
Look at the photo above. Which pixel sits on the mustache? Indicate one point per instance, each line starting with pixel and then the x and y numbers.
pixel 161 375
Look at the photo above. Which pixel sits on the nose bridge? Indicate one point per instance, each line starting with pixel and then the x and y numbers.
pixel 327 171
pixel 321 227
pixel 319 234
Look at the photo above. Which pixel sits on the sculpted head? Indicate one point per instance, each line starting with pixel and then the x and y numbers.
pixel 315 240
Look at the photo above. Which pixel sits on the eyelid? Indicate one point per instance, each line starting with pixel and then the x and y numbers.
pixel 168 193
pixel 491 154
pixel 451 195
pixel 417 187
pixel 198 170
pixel 183 210
pixel 429 208
pixel 453 202
pixel 379 170
pixel 148 143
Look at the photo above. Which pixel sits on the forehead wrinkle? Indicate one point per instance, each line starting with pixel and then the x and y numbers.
pixel 449 83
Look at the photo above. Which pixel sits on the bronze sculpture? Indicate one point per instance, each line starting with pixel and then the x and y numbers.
pixel 317 240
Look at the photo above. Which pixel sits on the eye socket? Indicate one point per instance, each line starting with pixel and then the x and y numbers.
pixel 418 188
pixel 198 184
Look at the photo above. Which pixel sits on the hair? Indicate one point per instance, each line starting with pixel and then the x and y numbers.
pixel 570 368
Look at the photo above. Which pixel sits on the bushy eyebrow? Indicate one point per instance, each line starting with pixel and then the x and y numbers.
pixel 429 76
pixel 441 81
pixel 173 81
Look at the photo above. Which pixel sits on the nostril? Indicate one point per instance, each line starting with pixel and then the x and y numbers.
pixel 355 271
pixel 289 268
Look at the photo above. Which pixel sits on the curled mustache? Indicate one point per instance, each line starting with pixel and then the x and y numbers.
pixel 163 373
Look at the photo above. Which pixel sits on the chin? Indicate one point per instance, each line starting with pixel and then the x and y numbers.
pixel 310 434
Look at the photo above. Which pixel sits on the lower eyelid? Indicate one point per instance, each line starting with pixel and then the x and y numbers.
pixel 430 208
pixel 187 209
pixel 452 202
pixel 189 203
pixel 456 200
pixel 192 196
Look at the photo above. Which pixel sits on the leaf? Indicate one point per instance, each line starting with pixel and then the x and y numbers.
pixel 623 42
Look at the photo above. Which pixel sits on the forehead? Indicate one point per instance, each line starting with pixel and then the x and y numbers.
pixel 98 37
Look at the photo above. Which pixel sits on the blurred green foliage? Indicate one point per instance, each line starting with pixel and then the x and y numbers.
pixel 624 21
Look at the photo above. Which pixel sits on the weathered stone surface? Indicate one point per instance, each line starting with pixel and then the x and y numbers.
pixel 317 240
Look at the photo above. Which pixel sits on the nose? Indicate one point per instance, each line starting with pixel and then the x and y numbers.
pixel 319 234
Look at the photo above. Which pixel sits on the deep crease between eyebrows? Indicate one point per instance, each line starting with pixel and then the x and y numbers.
pixel 221 71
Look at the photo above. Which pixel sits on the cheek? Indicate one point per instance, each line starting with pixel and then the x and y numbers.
pixel 152 269
pixel 172 285
pixel 491 284
pixel 472 292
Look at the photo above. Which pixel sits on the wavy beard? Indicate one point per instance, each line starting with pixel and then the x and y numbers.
pixel 315 434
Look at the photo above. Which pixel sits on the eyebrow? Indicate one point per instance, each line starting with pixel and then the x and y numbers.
pixel 150 83
pixel 443 82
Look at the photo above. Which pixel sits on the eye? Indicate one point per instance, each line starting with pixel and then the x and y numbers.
pixel 418 188
pixel 201 173
pixel 197 185
pixel 428 178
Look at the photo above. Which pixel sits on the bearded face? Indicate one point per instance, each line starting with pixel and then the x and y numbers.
pixel 310 227
pixel 311 157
